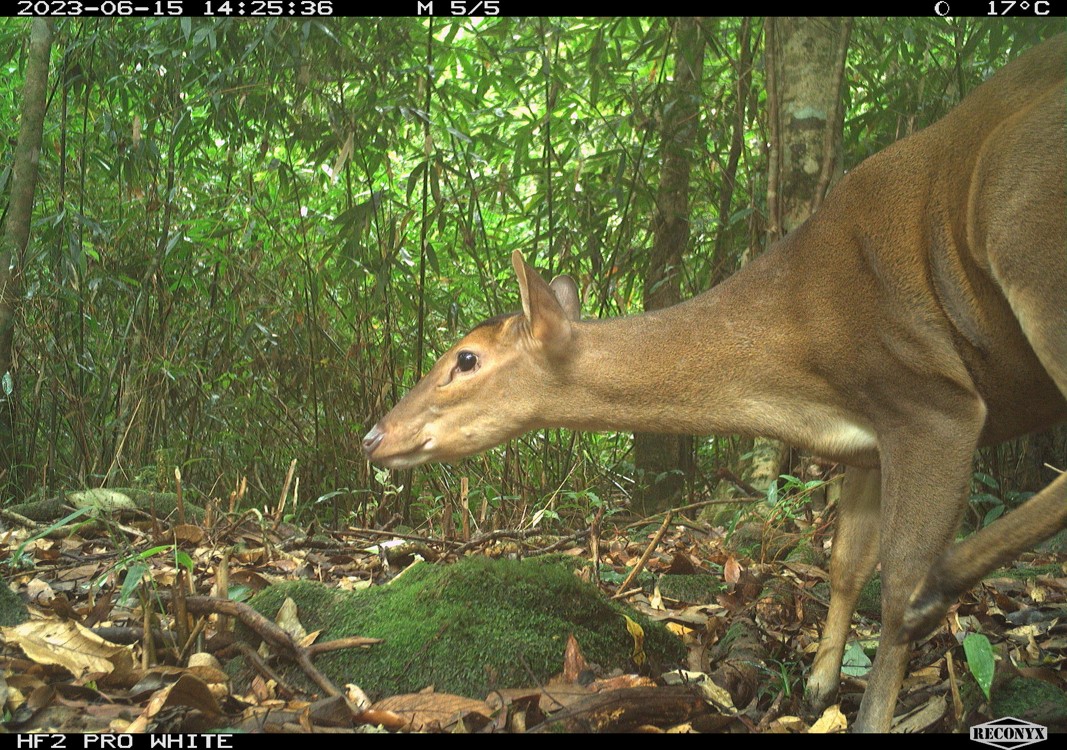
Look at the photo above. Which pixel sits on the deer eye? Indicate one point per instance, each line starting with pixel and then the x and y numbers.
pixel 466 361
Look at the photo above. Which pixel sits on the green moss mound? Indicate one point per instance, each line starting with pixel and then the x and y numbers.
pixel 1031 699
pixel 468 628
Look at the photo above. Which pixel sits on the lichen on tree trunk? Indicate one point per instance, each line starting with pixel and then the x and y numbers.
pixel 805 63
pixel 15 235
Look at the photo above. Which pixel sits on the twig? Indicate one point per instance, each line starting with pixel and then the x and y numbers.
pixel 561 543
pixel 397 535
pixel 693 506
pixel 594 543
pixel 647 554
pixel 736 481
pixel 265 669
pixel 266 630
pixel 7 515
pixel 355 641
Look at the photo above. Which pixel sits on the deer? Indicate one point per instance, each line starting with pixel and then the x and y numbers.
pixel 919 314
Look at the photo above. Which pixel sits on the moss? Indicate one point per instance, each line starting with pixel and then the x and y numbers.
pixel 696 588
pixel 870 601
pixel 1058 543
pixel 12 610
pixel 165 504
pixel 1022 572
pixel 110 502
pixel 467 628
pixel 1030 699
pixel 42 511
pixel 805 553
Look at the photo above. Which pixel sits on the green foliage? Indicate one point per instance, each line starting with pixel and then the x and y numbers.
pixel 19 559
pixel 855 662
pixel 252 235
pixel 780 677
pixel 696 588
pixel 792 497
pixel 135 567
pixel 987 501
pixel 981 660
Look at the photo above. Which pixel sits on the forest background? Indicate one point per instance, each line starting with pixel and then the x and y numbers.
pixel 250 237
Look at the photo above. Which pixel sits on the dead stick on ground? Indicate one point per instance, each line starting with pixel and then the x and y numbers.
pixel 644 557
pixel 266 630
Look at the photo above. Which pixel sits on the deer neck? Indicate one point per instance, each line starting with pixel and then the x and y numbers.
pixel 665 371
pixel 668 371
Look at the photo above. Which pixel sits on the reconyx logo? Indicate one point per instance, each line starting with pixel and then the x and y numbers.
pixel 1009 733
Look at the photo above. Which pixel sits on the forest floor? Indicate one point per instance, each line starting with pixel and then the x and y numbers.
pixel 747 604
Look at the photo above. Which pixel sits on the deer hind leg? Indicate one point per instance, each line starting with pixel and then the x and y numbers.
pixel 1019 223
pixel 1025 236
pixel 964 565
pixel 855 553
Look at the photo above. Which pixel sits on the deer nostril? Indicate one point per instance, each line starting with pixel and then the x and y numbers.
pixel 372 440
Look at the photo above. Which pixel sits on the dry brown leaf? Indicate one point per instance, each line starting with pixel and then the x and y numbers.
pixel 263 689
pixel 656 602
pixel 731 571
pixel 621 682
pixel 40 592
pixel 678 629
pixel 71 646
pixel 787 725
pixel 924 677
pixel 356 697
pixel 718 697
pixel 807 571
pixel 204 659
pixel 574 662
pixel 429 710
pixel 79 573
pixel 187 533
pixel 831 721
pixel 188 692
pixel 554 696
pixel 922 718
pixel 288 620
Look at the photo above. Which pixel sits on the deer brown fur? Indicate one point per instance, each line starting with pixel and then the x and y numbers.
pixel 919 314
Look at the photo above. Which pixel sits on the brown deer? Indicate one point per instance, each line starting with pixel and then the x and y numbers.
pixel 919 314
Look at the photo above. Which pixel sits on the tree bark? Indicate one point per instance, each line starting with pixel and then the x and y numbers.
pixel 664 461
pixel 805 66
pixel 13 240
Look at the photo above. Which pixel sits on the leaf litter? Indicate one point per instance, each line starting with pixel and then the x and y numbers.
pixel 132 632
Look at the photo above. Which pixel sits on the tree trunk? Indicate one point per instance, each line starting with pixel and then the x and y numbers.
pixel 805 67
pixel 664 461
pixel 13 240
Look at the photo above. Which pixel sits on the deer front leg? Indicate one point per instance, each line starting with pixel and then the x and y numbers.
pixel 925 473
pixel 854 555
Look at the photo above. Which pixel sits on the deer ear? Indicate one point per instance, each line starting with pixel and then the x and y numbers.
pixel 549 310
pixel 566 292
